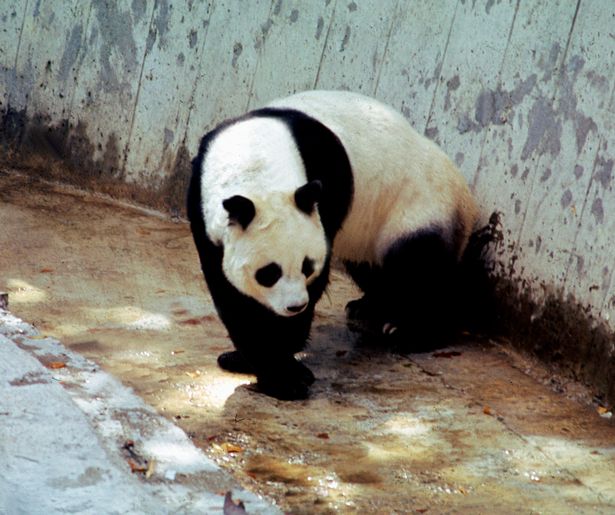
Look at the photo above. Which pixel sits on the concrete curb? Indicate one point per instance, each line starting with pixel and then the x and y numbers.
pixel 70 434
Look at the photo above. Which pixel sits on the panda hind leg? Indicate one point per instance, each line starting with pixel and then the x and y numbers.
pixel 416 293
pixel 366 277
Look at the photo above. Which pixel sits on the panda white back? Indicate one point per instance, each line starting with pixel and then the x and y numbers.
pixel 403 182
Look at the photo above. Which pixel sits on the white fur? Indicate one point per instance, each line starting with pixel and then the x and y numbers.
pixel 402 181
pixel 258 159
pixel 254 157
pixel 282 234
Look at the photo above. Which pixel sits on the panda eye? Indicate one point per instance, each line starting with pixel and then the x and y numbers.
pixel 307 268
pixel 268 275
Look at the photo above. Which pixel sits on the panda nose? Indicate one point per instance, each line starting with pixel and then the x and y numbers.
pixel 297 309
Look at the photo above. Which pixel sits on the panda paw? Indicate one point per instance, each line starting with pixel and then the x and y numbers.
pixel 292 384
pixel 358 309
pixel 235 362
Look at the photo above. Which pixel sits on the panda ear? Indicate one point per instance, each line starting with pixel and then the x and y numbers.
pixel 240 209
pixel 308 195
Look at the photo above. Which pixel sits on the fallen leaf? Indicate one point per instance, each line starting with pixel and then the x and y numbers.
pixel 231 447
pixel 487 410
pixel 46 270
pixel 135 467
pixel 602 410
pixel 324 436
pixel 150 468
pixel 56 364
pixel 231 507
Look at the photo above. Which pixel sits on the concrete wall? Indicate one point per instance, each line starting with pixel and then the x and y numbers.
pixel 116 94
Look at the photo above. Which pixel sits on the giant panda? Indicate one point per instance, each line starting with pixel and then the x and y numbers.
pixel 277 192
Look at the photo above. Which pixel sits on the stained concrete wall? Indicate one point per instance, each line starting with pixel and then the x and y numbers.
pixel 116 94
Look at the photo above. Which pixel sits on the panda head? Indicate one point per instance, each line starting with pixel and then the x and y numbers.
pixel 275 246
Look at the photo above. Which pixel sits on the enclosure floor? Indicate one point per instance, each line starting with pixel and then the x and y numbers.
pixel 476 429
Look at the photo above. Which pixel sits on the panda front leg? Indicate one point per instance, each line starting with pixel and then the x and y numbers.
pixel 265 346
pixel 285 378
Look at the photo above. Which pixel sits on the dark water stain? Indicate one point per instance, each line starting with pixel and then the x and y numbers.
pixel 549 64
pixel 578 171
pixel 63 152
pixel 71 52
pixel 604 172
pixel 13 126
pixel 562 332
pixel 583 126
pixel 598 210
pixel 497 106
pixel 517 206
pixel 175 185
pixel 580 264
pixel 566 199
pixel 161 22
pixel 319 26
pixel 277 8
pixel 237 50
pixel 260 38
pixel 451 85
pixel 352 7
pixel 139 8
pixel 294 15
pixel 545 175
pixel 115 30
pixel 192 38
pixel 544 131
pixel 346 39
pixel 489 5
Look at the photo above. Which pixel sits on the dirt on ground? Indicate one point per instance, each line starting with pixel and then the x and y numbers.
pixel 472 428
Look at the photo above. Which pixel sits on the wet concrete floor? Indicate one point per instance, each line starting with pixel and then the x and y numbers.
pixel 473 429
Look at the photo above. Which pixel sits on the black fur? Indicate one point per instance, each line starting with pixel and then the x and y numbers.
pixel 240 210
pixel 414 290
pixel 325 160
pixel 266 342
pixel 307 196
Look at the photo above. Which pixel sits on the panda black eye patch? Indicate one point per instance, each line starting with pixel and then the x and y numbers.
pixel 307 268
pixel 268 275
